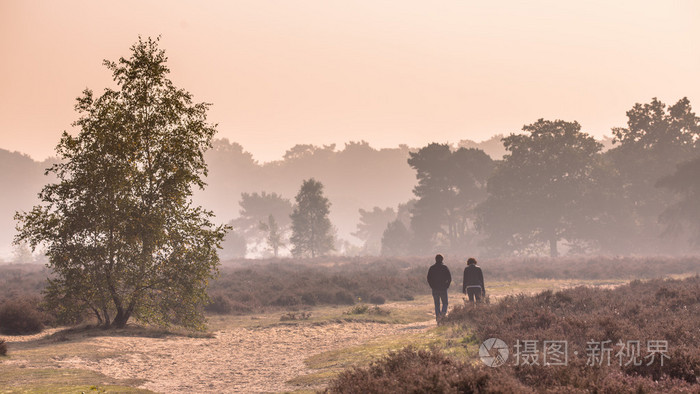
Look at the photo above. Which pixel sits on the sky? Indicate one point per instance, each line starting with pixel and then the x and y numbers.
pixel 280 73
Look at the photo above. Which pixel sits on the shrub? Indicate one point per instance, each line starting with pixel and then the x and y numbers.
pixel 343 297
pixel 295 316
pixel 3 348
pixel 420 371
pixel 375 310
pixel 286 300
pixel 18 317
pixel 359 309
pixel 654 310
pixel 308 298
pixel 342 280
pixel 219 304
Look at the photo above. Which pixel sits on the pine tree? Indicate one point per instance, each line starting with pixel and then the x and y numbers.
pixel 311 229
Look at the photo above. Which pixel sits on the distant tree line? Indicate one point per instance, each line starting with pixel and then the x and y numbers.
pixel 557 190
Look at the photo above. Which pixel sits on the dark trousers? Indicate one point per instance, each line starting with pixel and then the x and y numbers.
pixel 437 296
pixel 474 294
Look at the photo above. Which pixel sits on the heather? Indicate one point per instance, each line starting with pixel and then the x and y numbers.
pixel 655 310
pixel 252 286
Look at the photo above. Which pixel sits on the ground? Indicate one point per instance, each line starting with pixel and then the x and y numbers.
pixel 258 353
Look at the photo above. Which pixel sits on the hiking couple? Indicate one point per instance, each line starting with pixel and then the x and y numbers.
pixel 439 279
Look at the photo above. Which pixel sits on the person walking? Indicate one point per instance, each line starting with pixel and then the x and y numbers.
pixel 439 279
pixel 473 283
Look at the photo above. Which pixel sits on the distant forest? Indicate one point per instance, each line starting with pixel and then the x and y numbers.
pixel 355 176
pixel 549 189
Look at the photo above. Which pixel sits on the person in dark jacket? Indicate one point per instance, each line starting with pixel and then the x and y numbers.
pixel 473 283
pixel 439 279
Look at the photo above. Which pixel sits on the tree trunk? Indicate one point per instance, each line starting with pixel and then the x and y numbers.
pixel 553 252
pixel 107 321
pixel 99 317
pixel 121 318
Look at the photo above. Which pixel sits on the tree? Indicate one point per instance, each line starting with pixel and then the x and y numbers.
pixel 311 229
pixel 396 239
pixel 683 216
pixel 256 208
pixel 656 140
pixel 450 185
pixel 371 227
pixel 274 234
pixel 121 234
pixel 536 195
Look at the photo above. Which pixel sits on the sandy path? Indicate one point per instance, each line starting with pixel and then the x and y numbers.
pixel 235 360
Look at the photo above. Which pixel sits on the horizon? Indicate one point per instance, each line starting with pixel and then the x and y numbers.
pixel 338 147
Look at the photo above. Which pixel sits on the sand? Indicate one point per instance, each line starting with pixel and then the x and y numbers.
pixel 235 360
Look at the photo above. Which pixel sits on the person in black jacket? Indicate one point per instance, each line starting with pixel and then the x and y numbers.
pixel 473 283
pixel 439 279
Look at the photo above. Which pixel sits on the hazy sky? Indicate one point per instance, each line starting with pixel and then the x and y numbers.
pixel 388 72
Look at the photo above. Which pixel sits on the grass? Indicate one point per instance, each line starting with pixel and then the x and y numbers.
pixel 60 380
pixel 400 312
pixel 328 365
pixel 455 341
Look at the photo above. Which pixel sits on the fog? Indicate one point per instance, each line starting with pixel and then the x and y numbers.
pixel 549 189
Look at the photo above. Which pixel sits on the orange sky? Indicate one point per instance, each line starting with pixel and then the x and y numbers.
pixel 388 72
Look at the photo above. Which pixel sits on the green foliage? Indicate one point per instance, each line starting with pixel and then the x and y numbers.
pixel 312 233
pixel 450 185
pixel 537 195
pixel 120 231
pixel 362 309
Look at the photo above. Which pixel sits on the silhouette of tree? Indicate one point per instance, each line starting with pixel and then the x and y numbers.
pixel 536 194
pixel 371 228
pixel 121 234
pixel 683 216
pixel 311 229
pixel 274 234
pixel 256 208
pixel 450 185
pixel 396 239
pixel 654 142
